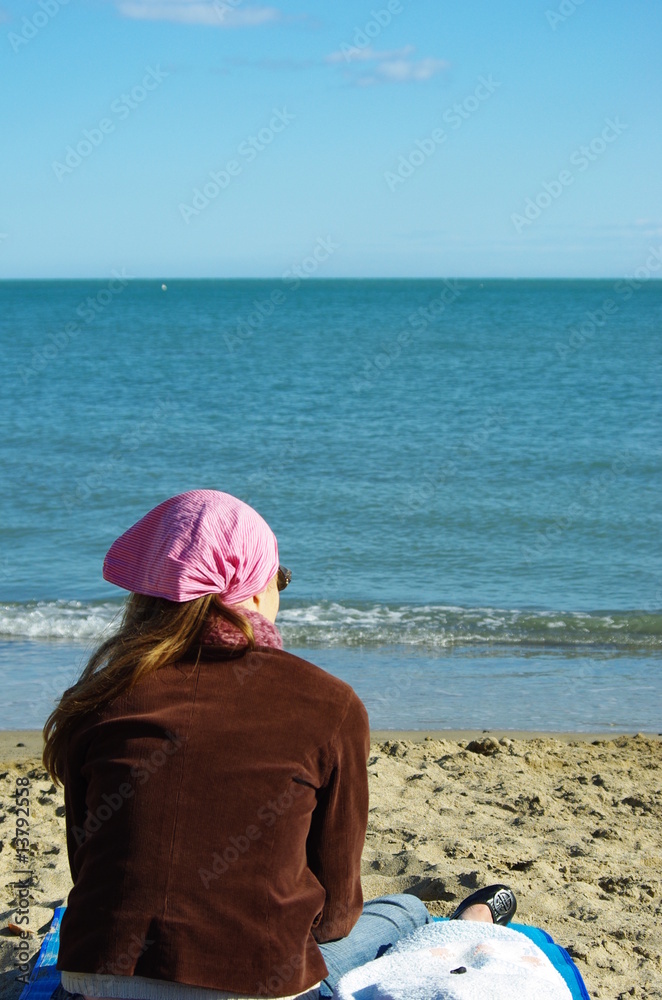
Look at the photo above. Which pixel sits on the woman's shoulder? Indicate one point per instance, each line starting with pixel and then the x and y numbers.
pixel 337 696
pixel 303 670
pixel 292 680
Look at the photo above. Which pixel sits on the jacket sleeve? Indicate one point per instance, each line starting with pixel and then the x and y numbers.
pixel 338 826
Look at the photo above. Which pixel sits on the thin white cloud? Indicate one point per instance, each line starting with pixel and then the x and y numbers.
pixel 218 13
pixel 368 54
pixel 391 65
pixel 402 70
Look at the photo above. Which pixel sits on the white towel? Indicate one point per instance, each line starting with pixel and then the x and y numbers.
pixel 500 963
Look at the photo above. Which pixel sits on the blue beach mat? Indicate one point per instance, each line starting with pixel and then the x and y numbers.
pixel 559 958
pixel 45 977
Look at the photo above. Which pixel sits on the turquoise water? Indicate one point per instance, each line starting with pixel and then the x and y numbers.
pixel 463 477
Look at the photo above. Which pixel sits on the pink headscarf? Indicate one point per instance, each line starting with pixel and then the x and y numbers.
pixel 197 543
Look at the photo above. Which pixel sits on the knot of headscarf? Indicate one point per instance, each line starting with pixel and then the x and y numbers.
pixel 197 543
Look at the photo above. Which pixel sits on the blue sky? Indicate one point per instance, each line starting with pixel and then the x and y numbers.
pixel 408 137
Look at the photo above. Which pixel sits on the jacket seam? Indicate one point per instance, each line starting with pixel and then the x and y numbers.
pixel 179 791
pixel 268 882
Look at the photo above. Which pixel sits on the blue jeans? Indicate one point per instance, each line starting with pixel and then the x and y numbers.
pixel 383 922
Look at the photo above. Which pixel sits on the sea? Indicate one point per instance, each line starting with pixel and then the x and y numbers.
pixel 463 476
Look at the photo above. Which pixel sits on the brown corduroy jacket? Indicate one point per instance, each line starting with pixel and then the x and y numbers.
pixel 215 818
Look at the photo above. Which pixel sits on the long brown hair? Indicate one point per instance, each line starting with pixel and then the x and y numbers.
pixel 153 632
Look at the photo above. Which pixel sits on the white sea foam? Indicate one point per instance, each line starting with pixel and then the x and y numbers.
pixel 75 621
pixel 334 623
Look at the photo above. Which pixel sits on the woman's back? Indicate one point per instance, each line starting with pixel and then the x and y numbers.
pixel 195 852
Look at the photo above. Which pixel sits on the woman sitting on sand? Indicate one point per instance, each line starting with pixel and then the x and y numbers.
pixel 215 785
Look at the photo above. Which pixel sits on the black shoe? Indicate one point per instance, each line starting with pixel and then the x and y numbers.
pixel 500 899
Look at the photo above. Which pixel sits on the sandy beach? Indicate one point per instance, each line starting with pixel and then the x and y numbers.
pixel 572 823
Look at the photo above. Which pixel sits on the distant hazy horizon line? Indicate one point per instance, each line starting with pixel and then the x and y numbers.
pixel 164 279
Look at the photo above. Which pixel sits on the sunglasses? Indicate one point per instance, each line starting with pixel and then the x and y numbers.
pixel 283 577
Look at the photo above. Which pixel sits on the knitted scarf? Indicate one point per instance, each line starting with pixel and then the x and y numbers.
pixel 219 632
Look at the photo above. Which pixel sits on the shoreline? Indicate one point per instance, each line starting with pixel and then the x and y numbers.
pixel 32 738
